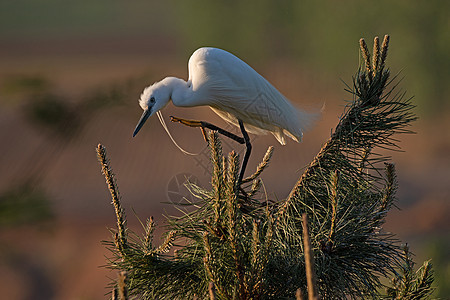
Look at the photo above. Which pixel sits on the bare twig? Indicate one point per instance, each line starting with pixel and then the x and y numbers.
pixel 334 198
pixel 298 294
pixel 309 261
pixel 212 291
pixel 123 292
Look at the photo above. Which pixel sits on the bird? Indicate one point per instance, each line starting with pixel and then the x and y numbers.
pixel 234 91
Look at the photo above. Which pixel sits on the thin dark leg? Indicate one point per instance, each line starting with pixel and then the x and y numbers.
pixel 202 124
pixel 247 152
pixel 245 140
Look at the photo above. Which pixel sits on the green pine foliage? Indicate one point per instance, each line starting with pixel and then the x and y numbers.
pixel 230 245
pixel 408 284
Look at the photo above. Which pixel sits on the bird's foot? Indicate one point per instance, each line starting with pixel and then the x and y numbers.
pixel 190 123
pixel 203 125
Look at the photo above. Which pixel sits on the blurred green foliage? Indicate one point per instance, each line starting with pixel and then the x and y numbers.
pixel 24 204
pixel 52 112
pixel 438 250
pixel 112 94
pixel 53 18
pixel 46 109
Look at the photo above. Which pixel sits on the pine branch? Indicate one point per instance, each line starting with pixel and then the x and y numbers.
pixel 411 285
pixel 121 238
pixel 261 166
pixel 369 122
pixel 349 209
pixel 148 235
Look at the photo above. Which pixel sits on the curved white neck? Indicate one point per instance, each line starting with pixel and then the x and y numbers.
pixel 182 94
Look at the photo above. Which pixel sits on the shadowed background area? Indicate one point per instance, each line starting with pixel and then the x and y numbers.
pixel 70 78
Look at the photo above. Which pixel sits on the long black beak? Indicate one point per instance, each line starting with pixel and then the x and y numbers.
pixel 141 122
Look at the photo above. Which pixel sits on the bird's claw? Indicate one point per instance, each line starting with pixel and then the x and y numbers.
pixel 190 123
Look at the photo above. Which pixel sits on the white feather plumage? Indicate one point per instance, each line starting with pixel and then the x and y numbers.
pixel 233 90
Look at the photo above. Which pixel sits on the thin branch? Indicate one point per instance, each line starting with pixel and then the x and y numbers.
pixel 212 291
pixel 122 282
pixel 309 261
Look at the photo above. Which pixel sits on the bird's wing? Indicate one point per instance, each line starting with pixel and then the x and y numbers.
pixel 236 91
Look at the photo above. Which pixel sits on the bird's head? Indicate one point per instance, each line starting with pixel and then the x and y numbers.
pixel 153 99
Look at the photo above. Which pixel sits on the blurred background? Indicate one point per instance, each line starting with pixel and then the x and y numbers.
pixel 70 77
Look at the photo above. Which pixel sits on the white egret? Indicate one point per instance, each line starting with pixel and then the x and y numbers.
pixel 234 91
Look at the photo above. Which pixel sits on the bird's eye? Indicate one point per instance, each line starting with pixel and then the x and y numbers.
pixel 152 100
